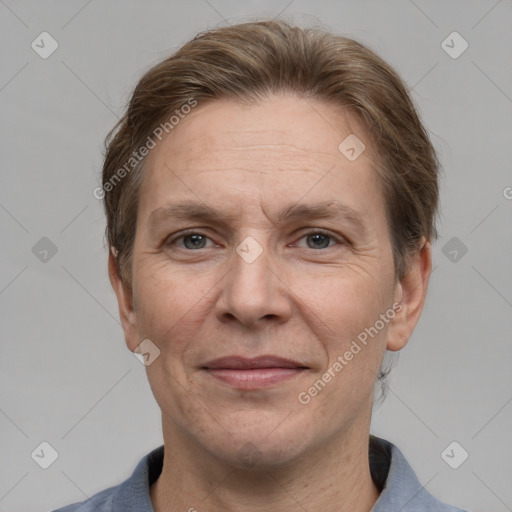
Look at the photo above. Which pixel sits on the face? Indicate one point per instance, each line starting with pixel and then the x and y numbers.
pixel 257 240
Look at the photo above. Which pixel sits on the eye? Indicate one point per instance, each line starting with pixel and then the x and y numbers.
pixel 320 240
pixel 191 241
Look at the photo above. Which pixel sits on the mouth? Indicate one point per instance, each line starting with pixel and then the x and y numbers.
pixel 253 373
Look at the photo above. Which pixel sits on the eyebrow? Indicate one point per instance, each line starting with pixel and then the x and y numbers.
pixel 201 212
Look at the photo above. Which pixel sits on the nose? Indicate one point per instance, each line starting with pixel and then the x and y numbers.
pixel 253 292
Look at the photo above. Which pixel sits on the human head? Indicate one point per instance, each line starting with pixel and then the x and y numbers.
pixel 222 98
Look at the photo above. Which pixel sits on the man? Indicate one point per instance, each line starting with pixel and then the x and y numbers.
pixel 270 198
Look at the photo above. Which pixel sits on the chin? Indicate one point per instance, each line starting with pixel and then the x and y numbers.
pixel 252 455
pixel 266 445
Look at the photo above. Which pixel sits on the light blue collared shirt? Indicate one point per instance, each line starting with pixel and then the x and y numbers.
pixel 401 490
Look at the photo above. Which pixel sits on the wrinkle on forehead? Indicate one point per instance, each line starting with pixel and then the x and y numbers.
pixel 223 147
pixel 269 158
pixel 219 121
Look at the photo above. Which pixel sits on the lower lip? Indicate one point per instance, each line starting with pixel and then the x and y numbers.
pixel 257 378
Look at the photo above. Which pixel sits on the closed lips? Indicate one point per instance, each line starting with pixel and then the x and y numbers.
pixel 242 363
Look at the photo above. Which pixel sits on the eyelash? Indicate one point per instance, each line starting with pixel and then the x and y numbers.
pixel 340 240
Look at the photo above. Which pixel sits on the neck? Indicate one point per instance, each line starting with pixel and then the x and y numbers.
pixel 334 477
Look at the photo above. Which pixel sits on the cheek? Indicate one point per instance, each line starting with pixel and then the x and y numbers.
pixel 171 313
pixel 353 298
pixel 354 350
pixel 352 309
pixel 171 306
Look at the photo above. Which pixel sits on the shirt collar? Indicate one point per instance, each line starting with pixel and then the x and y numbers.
pixel 392 474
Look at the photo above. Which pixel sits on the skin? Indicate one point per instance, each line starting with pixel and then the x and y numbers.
pixel 294 300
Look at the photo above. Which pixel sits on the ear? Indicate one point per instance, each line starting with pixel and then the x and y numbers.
pixel 124 296
pixel 411 293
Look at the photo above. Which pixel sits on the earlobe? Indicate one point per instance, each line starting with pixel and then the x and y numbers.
pixel 412 291
pixel 124 296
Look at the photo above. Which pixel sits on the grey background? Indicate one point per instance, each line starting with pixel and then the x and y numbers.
pixel 66 376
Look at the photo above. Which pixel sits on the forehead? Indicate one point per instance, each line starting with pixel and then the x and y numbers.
pixel 305 128
pixel 277 152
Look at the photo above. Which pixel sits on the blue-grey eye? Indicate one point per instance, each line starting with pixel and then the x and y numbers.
pixel 319 240
pixel 196 241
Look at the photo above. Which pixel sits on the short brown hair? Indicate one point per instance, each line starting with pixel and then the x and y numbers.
pixel 249 61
